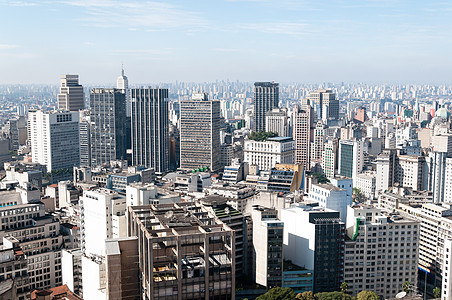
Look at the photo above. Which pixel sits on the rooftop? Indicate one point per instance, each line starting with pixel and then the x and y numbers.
pixel 328 186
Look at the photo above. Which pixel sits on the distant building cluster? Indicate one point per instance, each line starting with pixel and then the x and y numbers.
pixel 225 190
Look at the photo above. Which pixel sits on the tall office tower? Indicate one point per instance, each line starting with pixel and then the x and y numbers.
pixel 266 97
pixel 267 242
pixel 55 139
pixel 200 133
pixel 314 238
pixel 385 164
pixel 185 254
pixel 329 159
pixel 302 124
pixel 71 96
pixel 85 138
pixel 436 170
pixel 351 158
pixel 276 121
pixel 16 130
pixel 381 252
pixel 123 84
pixel 326 105
pixel 150 128
pixel 319 142
pixel 103 217
pixel 108 125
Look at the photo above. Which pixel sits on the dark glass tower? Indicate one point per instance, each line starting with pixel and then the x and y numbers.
pixel 108 125
pixel 266 97
pixel 150 128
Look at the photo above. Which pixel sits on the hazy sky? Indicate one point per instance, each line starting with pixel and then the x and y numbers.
pixel 251 40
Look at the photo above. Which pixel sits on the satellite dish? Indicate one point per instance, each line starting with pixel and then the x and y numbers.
pixel 226 210
pixel 400 295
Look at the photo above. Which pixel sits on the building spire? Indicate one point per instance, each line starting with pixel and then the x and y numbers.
pixel 122 70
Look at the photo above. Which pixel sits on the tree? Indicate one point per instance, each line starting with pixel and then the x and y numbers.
pixel 278 293
pixel 261 136
pixel 358 196
pixel 437 292
pixel 306 296
pixel 333 296
pixel 367 295
pixel 344 287
pixel 406 286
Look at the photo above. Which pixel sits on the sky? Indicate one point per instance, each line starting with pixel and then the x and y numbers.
pixel 390 41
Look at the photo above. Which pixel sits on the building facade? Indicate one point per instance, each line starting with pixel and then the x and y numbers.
pixel 71 96
pixel 382 252
pixel 268 153
pixel 183 253
pixel 266 98
pixel 55 139
pixel 108 125
pixel 302 125
pixel 200 133
pixel 150 129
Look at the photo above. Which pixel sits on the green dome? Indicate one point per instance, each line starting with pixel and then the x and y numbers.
pixel 442 113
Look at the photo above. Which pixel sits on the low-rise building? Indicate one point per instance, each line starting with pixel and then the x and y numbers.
pixel 266 154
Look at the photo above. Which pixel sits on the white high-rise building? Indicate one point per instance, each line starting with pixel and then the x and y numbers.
pixel 103 215
pixel 382 252
pixel 329 159
pixel 54 139
pixel 276 121
pixel 122 83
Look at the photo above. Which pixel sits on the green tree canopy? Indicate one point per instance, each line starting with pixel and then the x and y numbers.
pixel 333 296
pixel 261 136
pixel 344 287
pixel 278 293
pixel 367 295
pixel 306 296
pixel 437 292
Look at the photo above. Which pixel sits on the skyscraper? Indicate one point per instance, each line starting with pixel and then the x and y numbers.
pixel 54 139
pixel 150 128
pixel 276 121
pixel 351 158
pixel 85 138
pixel 200 133
pixel 71 96
pixel 122 83
pixel 326 105
pixel 108 129
pixel 302 121
pixel 329 158
pixel 266 97
pixel 319 142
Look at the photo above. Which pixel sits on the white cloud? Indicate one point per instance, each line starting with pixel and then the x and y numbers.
pixel 7 46
pixel 288 28
pixel 151 15
pixel 18 3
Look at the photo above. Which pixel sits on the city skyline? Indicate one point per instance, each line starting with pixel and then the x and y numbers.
pixel 299 41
